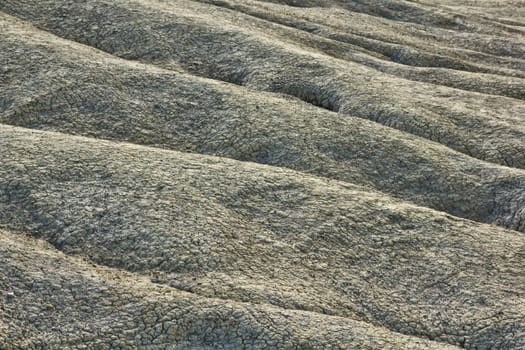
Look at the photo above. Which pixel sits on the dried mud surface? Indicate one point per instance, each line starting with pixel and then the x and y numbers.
pixel 245 174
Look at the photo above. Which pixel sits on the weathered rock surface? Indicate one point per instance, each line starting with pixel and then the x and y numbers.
pixel 234 174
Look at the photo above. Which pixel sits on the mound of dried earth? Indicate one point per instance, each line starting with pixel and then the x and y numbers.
pixel 262 174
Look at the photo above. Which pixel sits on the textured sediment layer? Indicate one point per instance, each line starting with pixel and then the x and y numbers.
pixel 250 233
pixel 74 89
pixel 57 301
pixel 242 174
pixel 219 43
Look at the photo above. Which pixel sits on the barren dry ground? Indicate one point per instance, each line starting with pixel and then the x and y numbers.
pixel 241 174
